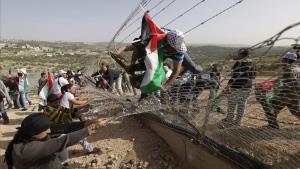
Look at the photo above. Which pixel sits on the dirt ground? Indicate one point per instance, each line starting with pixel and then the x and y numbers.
pixel 127 143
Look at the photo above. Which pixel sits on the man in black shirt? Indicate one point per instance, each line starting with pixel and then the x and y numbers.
pixel 110 77
pixel 240 84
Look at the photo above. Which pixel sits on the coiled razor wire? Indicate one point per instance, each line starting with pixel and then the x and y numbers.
pixel 276 148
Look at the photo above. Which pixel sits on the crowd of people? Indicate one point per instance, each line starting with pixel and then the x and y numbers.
pixel 15 90
pixel 43 137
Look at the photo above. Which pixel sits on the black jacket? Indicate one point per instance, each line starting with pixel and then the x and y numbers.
pixel 243 72
pixel 41 154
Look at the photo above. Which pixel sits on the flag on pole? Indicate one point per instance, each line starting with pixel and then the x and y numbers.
pixel 154 38
pixel 47 88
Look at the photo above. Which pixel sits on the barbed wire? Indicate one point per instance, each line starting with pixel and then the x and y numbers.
pixel 271 41
pixel 156 14
pixel 185 12
pixel 214 16
pixel 140 17
pixel 131 15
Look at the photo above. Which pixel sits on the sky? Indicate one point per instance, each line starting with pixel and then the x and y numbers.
pixel 97 20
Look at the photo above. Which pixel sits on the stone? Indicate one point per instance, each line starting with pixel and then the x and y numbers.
pixel 131 162
pixel 146 164
pixel 109 162
pixel 93 165
pixel 66 164
pixel 94 161
pixel 129 166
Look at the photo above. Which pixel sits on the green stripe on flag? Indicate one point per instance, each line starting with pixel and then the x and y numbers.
pixel 159 74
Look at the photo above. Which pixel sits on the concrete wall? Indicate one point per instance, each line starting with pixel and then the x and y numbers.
pixel 197 156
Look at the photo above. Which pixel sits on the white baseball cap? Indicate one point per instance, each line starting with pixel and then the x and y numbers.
pixel 62 72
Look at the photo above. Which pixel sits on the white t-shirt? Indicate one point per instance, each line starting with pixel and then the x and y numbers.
pixel 65 100
pixel 57 86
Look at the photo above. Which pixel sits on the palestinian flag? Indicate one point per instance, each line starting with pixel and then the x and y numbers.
pixel 46 90
pixel 154 38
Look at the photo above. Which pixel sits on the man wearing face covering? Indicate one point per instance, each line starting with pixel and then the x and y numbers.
pixel 31 146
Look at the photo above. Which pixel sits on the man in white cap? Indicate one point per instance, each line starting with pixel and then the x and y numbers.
pixel 60 82
pixel 23 85
pixel 288 92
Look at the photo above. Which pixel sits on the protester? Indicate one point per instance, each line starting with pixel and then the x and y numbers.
pixel 68 101
pixel 70 77
pixel 215 73
pixel 137 57
pixel 78 79
pixel 286 91
pixel 59 82
pixel 12 85
pixel 4 95
pixel 239 86
pixel 42 81
pixel 68 98
pixel 31 146
pixel 110 76
pixel 176 50
pixel 27 86
pixel 59 114
pixel 23 89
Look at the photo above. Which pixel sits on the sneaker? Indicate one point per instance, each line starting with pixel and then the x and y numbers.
pixel 24 109
pixel 95 151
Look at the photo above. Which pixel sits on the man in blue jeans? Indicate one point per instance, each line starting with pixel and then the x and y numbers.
pixel 23 88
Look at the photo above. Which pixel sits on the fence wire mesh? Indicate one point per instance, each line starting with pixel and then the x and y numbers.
pixel 256 116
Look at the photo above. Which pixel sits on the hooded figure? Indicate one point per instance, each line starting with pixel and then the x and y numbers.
pixel 31 146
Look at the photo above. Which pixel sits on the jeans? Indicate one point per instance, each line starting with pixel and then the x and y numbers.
pixel 86 145
pixel 27 98
pixel 2 108
pixel 15 98
pixel 118 85
pixel 237 98
pixel 22 99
